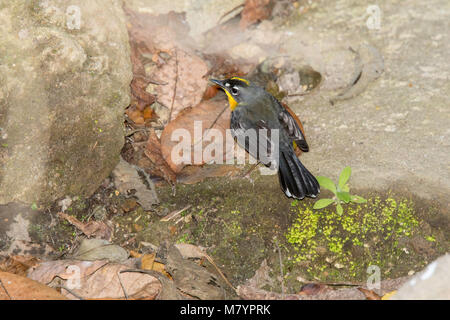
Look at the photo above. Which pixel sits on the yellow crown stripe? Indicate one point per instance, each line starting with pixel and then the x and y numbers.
pixel 240 79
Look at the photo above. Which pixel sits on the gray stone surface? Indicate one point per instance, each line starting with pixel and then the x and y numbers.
pixel 396 132
pixel 200 15
pixel 430 284
pixel 64 83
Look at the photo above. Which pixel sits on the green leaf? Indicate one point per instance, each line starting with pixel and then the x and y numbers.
pixel 357 199
pixel 34 206
pixel 345 188
pixel 343 178
pixel 322 203
pixel 344 196
pixel 339 209
pixel 327 183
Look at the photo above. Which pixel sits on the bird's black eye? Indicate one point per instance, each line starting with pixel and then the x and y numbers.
pixel 234 91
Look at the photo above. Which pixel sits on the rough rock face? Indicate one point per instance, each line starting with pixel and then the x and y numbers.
pixel 65 72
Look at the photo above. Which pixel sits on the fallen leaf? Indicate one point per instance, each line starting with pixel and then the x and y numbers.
pixel 185 82
pixel 261 276
pixel 192 279
pixel 98 280
pixel 388 295
pixel 47 271
pixel 313 289
pixel 370 295
pixel 196 174
pixel 209 113
pixel 18 264
pixel 148 263
pixel 254 11
pixel 129 205
pixel 92 228
pixel 148 113
pixel 15 287
pixel 99 249
pixel 160 166
pixel 126 178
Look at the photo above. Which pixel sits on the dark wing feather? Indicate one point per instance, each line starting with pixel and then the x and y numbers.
pixel 293 127
pixel 263 140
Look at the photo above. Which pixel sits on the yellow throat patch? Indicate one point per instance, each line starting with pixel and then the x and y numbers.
pixel 233 103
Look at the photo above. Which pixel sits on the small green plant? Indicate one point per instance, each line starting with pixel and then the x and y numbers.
pixel 341 192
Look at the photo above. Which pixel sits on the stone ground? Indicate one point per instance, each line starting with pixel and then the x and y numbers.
pixel 396 133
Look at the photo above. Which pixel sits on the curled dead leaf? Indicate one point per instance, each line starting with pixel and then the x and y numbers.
pixel 96 229
pixel 254 11
pixel 160 167
pixel 15 287
pixel 204 122
pixel 184 78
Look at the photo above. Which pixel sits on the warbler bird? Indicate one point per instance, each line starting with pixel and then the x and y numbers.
pixel 253 108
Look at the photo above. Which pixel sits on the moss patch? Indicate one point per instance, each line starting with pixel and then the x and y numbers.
pixel 382 232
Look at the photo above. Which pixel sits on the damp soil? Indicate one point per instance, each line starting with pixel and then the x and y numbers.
pixel 241 222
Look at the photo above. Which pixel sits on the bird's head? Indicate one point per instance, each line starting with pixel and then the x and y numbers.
pixel 237 89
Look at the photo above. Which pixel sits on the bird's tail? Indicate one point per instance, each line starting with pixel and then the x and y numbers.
pixel 295 180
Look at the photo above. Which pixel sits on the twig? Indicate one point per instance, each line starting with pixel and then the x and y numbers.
pixel 219 271
pixel 134 131
pixel 230 11
pixel 212 125
pixel 6 291
pixel 121 284
pixel 217 118
pixel 175 87
pixel 281 268
pixel 137 76
pixel 247 173
pixel 173 214
pixel 71 292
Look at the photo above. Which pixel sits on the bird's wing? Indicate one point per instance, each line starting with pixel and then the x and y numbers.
pixel 293 127
pixel 255 138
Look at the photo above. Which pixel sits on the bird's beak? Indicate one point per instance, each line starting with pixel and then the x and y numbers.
pixel 217 82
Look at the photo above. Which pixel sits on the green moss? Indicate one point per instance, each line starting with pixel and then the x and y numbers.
pixel 365 234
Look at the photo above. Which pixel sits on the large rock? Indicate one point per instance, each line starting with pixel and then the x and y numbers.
pixel 431 284
pixel 64 83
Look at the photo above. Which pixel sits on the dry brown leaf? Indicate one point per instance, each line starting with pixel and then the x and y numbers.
pixel 196 174
pixel 148 263
pixel 311 289
pixel 135 115
pixel 105 283
pixel 126 178
pixel 189 251
pixel 206 113
pixel 99 279
pixel 47 271
pixel 160 166
pixel 96 229
pixel 15 287
pixel 370 295
pixel 18 264
pixel 254 11
pixel 185 82
pixel 210 92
